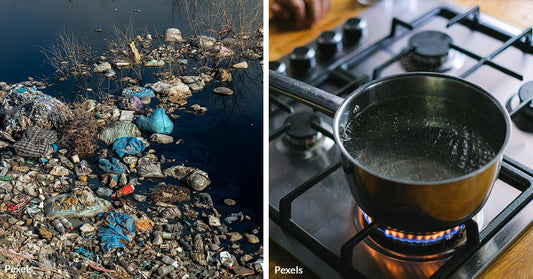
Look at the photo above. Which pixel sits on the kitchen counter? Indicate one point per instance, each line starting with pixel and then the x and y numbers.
pixel 514 12
pixel 517 261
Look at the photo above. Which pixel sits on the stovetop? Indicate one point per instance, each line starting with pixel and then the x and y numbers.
pixel 312 210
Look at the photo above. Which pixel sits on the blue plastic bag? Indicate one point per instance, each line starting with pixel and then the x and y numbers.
pixel 157 122
pixel 112 166
pixel 84 252
pixel 137 91
pixel 119 227
pixel 128 145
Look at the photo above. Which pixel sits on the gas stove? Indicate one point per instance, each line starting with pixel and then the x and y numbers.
pixel 313 215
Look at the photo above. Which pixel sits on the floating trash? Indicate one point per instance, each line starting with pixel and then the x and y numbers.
pixel 157 122
pixel 137 91
pixel 112 166
pixel 128 145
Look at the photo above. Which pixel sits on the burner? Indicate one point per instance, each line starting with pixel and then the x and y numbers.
pixel 302 138
pixel 416 239
pixel 523 119
pixel 431 52
pixel 301 134
pixel 412 246
pixel 430 47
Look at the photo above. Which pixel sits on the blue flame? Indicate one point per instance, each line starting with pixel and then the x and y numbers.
pixel 422 241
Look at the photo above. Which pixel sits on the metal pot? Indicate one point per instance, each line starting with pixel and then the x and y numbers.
pixel 420 151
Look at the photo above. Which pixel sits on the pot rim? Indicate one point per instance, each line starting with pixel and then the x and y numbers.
pixel 346 154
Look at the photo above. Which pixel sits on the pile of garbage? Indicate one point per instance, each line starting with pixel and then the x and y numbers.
pixel 24 106
pixel 126 211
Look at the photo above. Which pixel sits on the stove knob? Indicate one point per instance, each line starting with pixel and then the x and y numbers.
pixel 302 60
pixel 329 43
pixel 524 94
pixel 354 29
pixel 278 67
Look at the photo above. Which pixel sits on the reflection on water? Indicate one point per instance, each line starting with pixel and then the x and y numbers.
pixel 243 16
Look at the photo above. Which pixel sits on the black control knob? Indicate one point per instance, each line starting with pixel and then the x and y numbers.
pixel 354 29
pixel 329 43
pixel 524 118
pixel 524 94
pixel 278 67
pixel 302 60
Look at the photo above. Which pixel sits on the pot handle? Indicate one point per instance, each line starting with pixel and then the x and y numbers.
pixel 314 97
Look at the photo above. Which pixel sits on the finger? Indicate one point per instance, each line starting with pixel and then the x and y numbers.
pixel 297 9
pixel 314 10
pixel 279 12
pixel 325 6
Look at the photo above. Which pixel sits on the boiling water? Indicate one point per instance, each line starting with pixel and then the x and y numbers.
pixel 420 139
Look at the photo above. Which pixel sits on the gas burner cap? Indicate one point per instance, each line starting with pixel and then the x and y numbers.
pixel 430 47
pixel 302 139
pixel 301 132
pixel 431 52
pixel 524 118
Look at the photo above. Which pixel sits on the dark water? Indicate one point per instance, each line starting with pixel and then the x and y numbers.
pixel 226 141
pixel 420 139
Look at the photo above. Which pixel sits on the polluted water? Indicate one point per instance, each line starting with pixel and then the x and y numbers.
pixel 121 153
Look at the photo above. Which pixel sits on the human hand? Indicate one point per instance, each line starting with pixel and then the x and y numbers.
pixel 299 13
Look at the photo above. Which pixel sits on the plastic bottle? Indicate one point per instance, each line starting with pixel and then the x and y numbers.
pixel 59 227
pixel 66 223
pixel 184 244
pixel 126 190
pixel 164 270
pixel 258 265
pixel 167 235
pixel 225 259
pixel 6 178
pixel 129 268
pixel 175 263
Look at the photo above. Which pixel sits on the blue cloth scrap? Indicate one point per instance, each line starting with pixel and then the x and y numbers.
pixel 119 227
pixel 128 145
pixel 112 166
pixel 137 91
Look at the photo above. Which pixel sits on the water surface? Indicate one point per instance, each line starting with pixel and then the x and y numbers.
pixel 421 139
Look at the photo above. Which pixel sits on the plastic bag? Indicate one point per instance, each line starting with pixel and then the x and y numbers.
pixel 118 130
pixel 137 91
pixel 128 145
pixel 133 103
pixel 112 166
pixel 157 122
pixel 150 170
pixel 76 204
pixel 119 227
